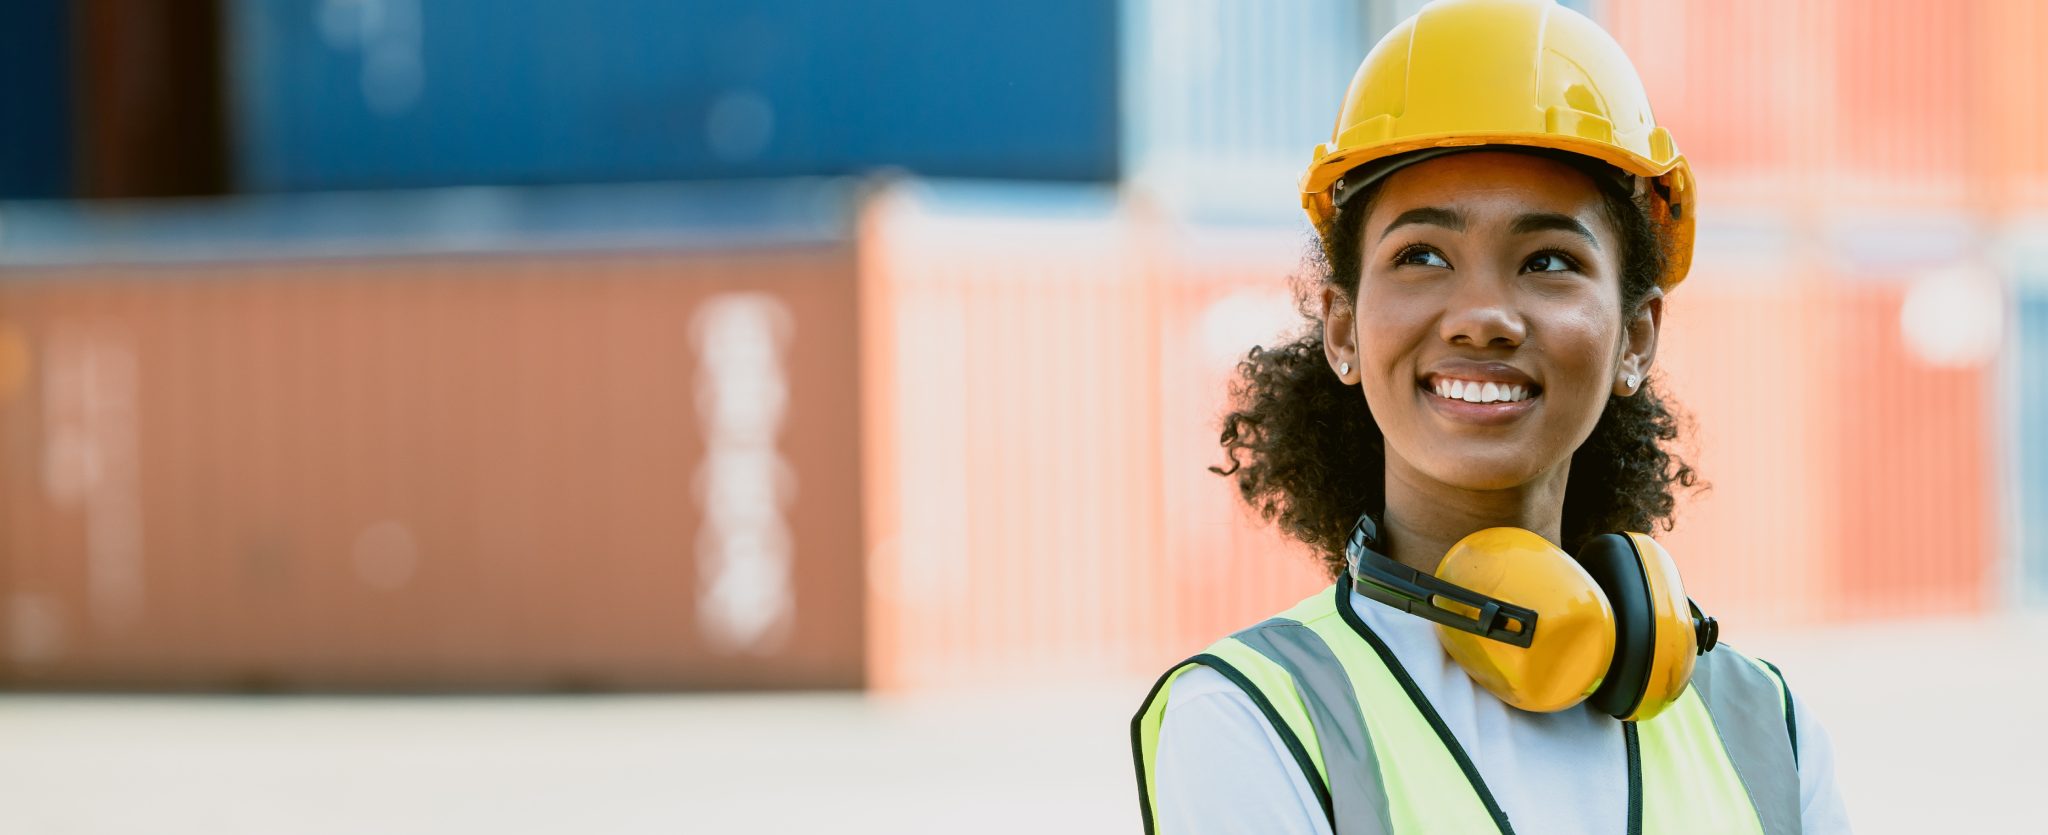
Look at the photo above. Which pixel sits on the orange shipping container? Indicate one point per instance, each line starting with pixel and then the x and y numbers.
pixel 1012 403
pixel 1909 104
pixel 1849 477
pixel 565 471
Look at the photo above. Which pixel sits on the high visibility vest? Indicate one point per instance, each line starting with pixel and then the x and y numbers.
pixel 1723 758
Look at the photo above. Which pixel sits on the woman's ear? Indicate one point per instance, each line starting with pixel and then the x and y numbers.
pixel 1340 335
pixel 1639 344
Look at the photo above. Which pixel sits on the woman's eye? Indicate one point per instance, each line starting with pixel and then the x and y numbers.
pixel 1550 262
pixel 1421 255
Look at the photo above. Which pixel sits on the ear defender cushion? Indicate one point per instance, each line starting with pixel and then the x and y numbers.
pixel 1612 561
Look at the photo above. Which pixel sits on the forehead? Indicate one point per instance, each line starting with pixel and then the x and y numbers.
pixel 1492 183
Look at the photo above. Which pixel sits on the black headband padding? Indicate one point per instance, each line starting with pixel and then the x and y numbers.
pixel 1355 181
pixel 1612 560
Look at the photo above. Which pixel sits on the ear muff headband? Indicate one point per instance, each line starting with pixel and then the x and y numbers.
pixel 1386 580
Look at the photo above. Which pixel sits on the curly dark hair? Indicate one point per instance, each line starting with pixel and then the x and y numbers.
pixel 1308 457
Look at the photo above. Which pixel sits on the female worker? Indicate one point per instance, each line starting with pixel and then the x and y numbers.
pixel 1469 435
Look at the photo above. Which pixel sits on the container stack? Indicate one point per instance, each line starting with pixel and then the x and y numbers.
pixel 531 352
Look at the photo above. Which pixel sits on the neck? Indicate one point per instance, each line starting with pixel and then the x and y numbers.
pixel 1425 517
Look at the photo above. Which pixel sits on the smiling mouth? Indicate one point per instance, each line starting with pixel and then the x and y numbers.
pixel 1479 391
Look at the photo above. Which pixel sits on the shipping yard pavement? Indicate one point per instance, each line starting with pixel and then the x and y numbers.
pixel 1937 726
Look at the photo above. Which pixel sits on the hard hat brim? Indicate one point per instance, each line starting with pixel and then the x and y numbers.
pixel 1673 180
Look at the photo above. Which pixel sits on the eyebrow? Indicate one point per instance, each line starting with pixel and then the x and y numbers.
pixel 1430 215
pixel 1523 225
pixel 1549 221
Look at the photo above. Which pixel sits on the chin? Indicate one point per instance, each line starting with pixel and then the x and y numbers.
pixel 1484 472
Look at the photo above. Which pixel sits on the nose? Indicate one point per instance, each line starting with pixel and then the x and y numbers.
pixel 1480 312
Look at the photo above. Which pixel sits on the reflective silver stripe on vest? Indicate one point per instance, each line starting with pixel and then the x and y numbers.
pixel 1757 740
pixel 1358 799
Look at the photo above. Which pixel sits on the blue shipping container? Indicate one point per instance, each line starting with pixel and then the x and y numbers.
pixel 349 94
pixel 2030 437
pixel 35 113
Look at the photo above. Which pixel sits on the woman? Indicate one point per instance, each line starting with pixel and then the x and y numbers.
pixel 1468 417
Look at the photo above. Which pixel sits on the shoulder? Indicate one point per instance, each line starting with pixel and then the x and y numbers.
pixel 1751 707
pixel 1761 688
pixel 1223 767
pixel 1202 684
pixel 1726 673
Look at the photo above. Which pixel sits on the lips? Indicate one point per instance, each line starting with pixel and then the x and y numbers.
pixel 1485 394
pixel 1474 391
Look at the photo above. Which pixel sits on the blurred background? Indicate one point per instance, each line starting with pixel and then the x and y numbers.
pixel 678 416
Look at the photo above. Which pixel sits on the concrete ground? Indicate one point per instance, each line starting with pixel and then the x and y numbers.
pixel 1938 727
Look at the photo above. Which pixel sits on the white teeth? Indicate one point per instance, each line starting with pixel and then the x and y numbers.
pixel 1472 391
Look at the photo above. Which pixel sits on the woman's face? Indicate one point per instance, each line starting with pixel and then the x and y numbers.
pixel 1487 332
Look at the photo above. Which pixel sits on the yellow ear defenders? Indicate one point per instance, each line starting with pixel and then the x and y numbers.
pixel 1543 630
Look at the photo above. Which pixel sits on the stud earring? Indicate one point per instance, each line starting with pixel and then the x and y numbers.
pixel 1631 381
pixel 1343 368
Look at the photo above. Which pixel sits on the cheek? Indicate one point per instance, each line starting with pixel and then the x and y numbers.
pixel 1584 340
pixel 1582 349
pixel 1388 338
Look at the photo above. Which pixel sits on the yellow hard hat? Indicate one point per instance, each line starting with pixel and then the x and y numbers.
pixel 1531 73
